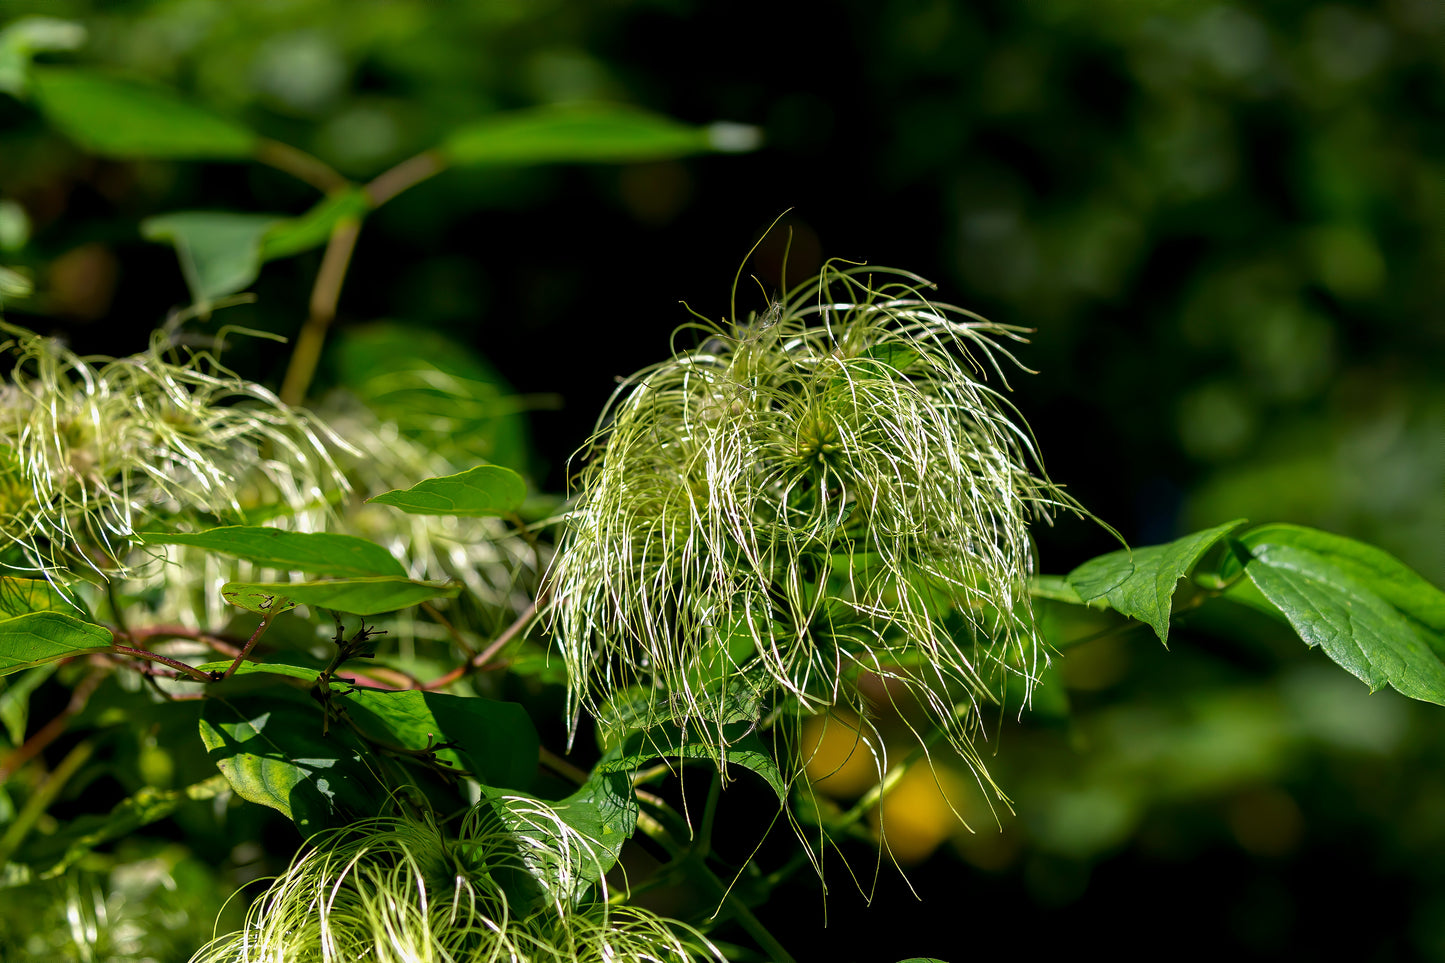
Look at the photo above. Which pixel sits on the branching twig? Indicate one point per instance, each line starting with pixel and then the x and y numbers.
pixel 403 176
pixel 490 652
pixel 182 667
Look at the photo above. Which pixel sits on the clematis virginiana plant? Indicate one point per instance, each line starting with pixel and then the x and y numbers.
pixel 834 488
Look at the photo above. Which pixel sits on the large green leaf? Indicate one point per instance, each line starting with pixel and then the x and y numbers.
pixel 1349 620
pixel 355 596
pixel 20 596
pixel 484 490
pixel 596 133
pixel 122 118
pixel 219 251
pixel 1140 582
pixel 271 749
pixel 493 741
pixel 318 553
pixel 41 637
pixel 1384 574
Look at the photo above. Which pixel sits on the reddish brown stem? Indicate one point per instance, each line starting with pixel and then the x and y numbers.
pixel 485 656
pixel 407 174
pixel 176 664
pixel 250 644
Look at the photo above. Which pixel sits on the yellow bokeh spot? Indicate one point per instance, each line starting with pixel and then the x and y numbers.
pixel 920 812
pixel 838 757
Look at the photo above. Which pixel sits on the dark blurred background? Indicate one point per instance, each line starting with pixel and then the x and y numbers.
pixel 1224 221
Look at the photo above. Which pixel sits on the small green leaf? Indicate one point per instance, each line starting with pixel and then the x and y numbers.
pixel 41 637
pixel 588 133
pixel 219 251
pixel 484 490
pixel 1353 624
pixel 313 229
pixel 493 741
pixel 1140 582
pixel 271 750
pixel 122 118
pixel 354 596
pixel 20 596
pixel 315 552
pixel 26 37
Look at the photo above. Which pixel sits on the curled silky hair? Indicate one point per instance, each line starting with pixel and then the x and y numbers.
pixel 835 487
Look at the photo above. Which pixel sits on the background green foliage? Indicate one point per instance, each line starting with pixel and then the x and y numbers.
pixel 1226 221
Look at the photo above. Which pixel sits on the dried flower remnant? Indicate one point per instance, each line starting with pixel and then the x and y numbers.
pixel 93 449
pixel 829 490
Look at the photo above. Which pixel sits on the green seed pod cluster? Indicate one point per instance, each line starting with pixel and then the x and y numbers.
pixel 831 489
pixel 397 889
pixel 93 449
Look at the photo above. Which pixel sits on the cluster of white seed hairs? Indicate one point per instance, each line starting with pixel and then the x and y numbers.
pixel 827 490
pixel 396 889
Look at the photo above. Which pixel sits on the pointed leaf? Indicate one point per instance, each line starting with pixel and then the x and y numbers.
pixel 272 751
pixel 1384 574
pixel 41 637
pixel 122 118
pixel 315 552
pixel 583 133
pixel 355 596
pixel 1353 624
pixel 493 741
pixel 1140 582
pixel 484 490
pixel 220 252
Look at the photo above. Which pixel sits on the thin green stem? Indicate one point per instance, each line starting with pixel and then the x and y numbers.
pixel 36 805
pixel 702 842
pixel 324 298
pixel 52 730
